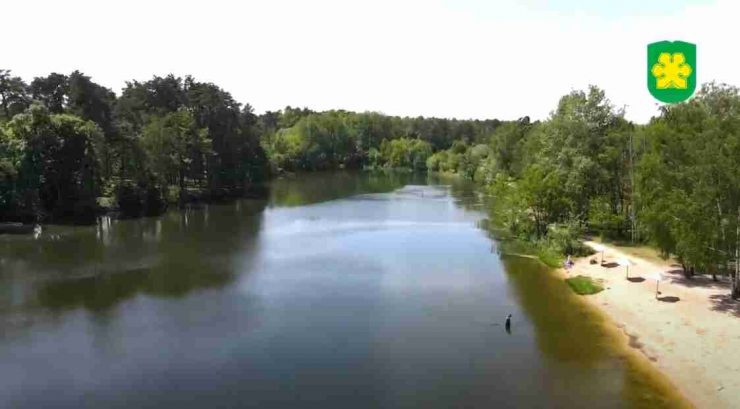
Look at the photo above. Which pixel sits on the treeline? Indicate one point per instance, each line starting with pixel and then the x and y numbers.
pixel 300 139
pixel 69 146
pixel 673 183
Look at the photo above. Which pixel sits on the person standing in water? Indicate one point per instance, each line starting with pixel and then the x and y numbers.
pixel 508 324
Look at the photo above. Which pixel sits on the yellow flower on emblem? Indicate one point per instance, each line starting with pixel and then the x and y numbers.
pixel 671 71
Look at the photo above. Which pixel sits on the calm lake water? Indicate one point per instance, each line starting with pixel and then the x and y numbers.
pixel 342 290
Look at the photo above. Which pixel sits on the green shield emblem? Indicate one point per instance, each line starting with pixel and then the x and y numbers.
pixel 671 70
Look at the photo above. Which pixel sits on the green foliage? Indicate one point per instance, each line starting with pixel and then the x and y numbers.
pixel 688 179
pixel 550 182
pixel 467 161
pixel 53 163
pixel 140 199
pixel 604 221
pixel 583 285
pixel 11 158
pixel 314 142
pixel 175 148
pixel 549 255
pixel 507 146
pixel 566 239
pixel 296 139
pixel 66 141
pixel 161 136
pixel 404 153
pixel 572 174
pixel 13 95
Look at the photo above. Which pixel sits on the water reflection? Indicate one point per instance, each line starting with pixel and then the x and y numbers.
pixel 385 298
pixel 67 267
pixel 577 342
pixel 466 192
pixel 323 186
pixel 96 293
pixel 96 268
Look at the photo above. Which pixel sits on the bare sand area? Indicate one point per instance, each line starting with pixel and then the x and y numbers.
pixel 690 330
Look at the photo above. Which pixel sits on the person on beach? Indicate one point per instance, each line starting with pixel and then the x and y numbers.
pixel 568 263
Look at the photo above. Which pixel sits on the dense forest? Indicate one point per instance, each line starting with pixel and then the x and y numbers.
pixel 673 183
pixel 71 148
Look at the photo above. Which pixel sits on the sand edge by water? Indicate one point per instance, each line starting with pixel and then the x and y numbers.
pixel 690 331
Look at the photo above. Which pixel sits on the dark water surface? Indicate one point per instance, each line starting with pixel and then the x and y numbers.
pixel 343 290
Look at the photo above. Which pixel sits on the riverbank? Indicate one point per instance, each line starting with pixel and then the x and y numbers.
pixel 688 331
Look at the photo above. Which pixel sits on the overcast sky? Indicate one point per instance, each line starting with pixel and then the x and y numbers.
pixel 456 58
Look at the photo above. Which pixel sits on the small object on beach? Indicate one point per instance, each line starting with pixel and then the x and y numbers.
pixel 592 261
pixel 658 277
pixel 508 324
pixel 627 263
pixel 600 249
pixel 568 263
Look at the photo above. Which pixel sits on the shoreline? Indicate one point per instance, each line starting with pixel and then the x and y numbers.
pixel 687 334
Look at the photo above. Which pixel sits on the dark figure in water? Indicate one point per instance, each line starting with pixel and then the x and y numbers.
pixel 508 324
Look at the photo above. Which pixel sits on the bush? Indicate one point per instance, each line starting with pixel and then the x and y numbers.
pixel 403 153
pixel 603 221
pixel 566 239
pixel 549 255
pixel 583 285
pixel 172 194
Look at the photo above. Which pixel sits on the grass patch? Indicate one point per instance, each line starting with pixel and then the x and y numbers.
pixel 550 250
pixel 583 285
pixel 549 256
pixel 515 246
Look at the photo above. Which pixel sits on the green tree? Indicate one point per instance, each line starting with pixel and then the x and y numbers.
pixel 56 158
pixel 13 95
pixel 52 91
pixel 174 146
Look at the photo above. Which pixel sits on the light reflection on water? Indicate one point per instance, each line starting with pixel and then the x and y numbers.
pixel 340 290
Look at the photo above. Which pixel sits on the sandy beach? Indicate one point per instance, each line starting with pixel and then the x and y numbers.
pixel 690 331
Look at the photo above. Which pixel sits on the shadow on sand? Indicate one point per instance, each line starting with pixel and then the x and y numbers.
pixel 724 303
pixel 635 279
pixel 699 280
pixel 669 298
pixel 610 264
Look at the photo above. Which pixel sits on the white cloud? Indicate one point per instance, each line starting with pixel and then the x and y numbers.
pixel 400 57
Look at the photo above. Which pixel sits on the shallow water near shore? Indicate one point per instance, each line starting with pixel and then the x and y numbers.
pixel 341 289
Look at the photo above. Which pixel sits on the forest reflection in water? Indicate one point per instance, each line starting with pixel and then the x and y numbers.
pixel 343 289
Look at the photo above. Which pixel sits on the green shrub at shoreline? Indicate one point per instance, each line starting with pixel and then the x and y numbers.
pixel 583 285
